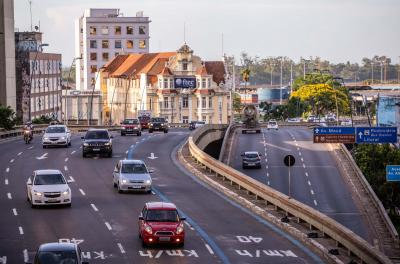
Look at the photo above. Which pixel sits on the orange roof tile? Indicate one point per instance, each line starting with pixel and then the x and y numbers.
pixel 217 69
pixel 202 71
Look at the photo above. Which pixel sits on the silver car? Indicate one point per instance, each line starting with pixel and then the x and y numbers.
pixel 56 135
pixel 132 175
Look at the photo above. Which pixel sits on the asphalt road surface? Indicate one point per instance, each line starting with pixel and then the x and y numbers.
pixel 104 222
pixel 315 179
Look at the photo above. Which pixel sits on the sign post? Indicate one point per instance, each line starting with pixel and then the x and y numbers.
pixel 289 161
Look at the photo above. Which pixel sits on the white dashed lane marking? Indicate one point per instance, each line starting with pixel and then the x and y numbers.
pixel 191 227
pixel 8 170
pixel 19 154
pixel 304 166
pixel 71 179
pixel 6 181
pixel 66 159
pixel 9 196
pixel 21 230
pixel 302 160
pixel 307 174
pixel 15 211
pixel 26 257
pixel 126 152
pixel 108 226
pixel 299 153
pixel 309 183
pixel 312 192
pixel 65 168
pixel 121 248
pixel 94 207
pixel 30 147
pixel 315 202
pixel 82 192
pixel 12 160
pixel 73 152
pixel 209 249
pixel 268 183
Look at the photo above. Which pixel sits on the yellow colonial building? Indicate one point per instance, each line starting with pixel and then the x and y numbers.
pixel 176 85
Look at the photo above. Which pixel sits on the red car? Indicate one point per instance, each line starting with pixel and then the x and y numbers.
pixel 131 126
pixel 144 122
pixel 160 223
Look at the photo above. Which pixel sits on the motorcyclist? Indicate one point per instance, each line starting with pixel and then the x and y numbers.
pixel 28 126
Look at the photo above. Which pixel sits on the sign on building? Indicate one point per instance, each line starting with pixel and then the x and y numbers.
pixel 185 82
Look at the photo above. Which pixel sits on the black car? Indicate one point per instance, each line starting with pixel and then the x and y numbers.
pixel 97 141
pixel 251 159
pixel 58 253
pixel 158 124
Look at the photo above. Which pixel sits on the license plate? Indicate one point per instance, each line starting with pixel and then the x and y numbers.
pixel 52 200
pixel 251 164
pixel 164 239
pixel 136 187
pixel 96 149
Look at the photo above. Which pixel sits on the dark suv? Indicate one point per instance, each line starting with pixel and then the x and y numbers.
pixel 97 141
pixel 158 124
pixel 52 253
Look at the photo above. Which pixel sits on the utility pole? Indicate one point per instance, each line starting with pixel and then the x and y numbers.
pixel 381 72
pixel 291 76
pixel 30 10
pixel 372 72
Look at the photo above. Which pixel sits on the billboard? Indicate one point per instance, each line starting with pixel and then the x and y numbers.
pixel 185 82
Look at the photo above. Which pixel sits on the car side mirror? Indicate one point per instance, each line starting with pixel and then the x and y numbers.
pixel 111 136
pixel 151 171
pixel 182 218
pixel 29 182
pixel 69 181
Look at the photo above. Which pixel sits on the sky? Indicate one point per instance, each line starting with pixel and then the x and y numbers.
pixel 336 30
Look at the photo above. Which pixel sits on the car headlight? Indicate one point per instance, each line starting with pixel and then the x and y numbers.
pixel 151 124
pixel 179 229
pixel 107 144
pixel 123 127
pixel 162 124
pixel 85 144
pixel 148 229
pixel 45 138
pixel 124 181
pixel 62 138
pixel 148 181
pixel 66 192
pixel 37 193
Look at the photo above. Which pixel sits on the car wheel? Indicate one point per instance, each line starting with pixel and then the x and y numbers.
pixel 122 134
pixel 84 154
pixel 109 154
pixel 243 167
pixel 181 244
pixel 114 184
pixel 165 131
pixel 69 144
pixel 44 146
pixel 150 131
pixel 66 145
pixel 32 205
pixel 243 131
pixel 119 189
pixel 139 134
pixel 144 244
pixel 149 191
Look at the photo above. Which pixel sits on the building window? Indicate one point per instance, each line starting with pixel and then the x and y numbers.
pixel 93 56
pixel 105 44
pixel 117 30
pixel 142 44
pixel 129 44
pixel 210 99
pixel 165 102
pixel 208 82
pixel 203 83
pixel 105 56
pixel 93 44
pixel 93 31
pixel 151 104
pixel 203 102
pixel 185 102
pixel 129 30
pixel 204 118
pixel 198 83
pixel 142 30
pixel 92 81
pixel 93 68
pixel 165 83
pixel 118 44
pixel 104 30
pixel 185 119
pixel 160 83
pixel 172 102
pixel 184 65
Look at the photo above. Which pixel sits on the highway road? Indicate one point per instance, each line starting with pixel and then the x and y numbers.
pixel 315 179
pixel 104 223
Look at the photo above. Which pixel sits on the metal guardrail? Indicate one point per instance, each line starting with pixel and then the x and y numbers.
pixel 342 235
pixel 376 202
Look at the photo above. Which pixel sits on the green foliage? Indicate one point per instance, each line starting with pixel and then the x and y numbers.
pixel 245 74
pixel 7 117
pixel 372 160
pixel 237 104
pixel 42 120
pixel 312 78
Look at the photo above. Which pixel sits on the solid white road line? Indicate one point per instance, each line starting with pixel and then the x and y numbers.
pixel 9 196
pixel 312 192
pixel 309 183
pixel 94 207
pixel 66 159
pixel 8 170
pixel 82 192
pixel 209 249
pixel 21 231
pixel 26 257
pixel 73 152
pixel 71 179
pixel 121 248
pixel 15 211
pixel 19 154
pixel 65 168
pixel 6 181
pixel 108 226
pixel 12 160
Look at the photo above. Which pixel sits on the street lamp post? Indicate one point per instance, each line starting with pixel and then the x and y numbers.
pixel 89 116
pixel 280 89
pixel 30 79
pixel 67 87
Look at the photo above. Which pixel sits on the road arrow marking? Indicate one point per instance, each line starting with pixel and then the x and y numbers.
pixel 44 156
pixel 152 156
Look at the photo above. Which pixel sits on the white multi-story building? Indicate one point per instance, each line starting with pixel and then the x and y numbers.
pixel 102 34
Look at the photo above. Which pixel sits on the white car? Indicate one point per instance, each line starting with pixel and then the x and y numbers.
pixel 132 175
pixel 272 124
pixel 294 120
pixel 56 135
pixel 346 122
pixel 48 187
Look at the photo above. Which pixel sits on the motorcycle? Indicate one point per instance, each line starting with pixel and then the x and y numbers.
pixel 27 136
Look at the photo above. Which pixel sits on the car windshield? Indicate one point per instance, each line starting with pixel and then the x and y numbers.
pixel 144 118
pixel 272 123
pixel 134 168
pixel 130 122
pixel 55 130
pixel 162 216
pixel 157 120
pixel 251 155
pixel 96 135
pixel 64 257
pixel 47 179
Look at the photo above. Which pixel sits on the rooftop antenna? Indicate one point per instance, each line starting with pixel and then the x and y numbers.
pixel 30 10
pixel 222 44
pixel 184 32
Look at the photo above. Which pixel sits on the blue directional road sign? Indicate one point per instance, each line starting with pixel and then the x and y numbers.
pixel 334 135
pixel 376 135
pixel 393 173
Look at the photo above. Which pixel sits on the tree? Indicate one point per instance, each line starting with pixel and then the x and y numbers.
pixel 7 117
pixel 237 103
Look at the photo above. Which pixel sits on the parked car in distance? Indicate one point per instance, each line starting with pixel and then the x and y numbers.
pixel 160 223
pixel 272 124
pixel 48 187
pixel 158 124
pixel 97 141
pixel 58 253
pixel 195 124
pixel 56 135
pixel 251 159
pixel 294 120
pixel 131 126
pixel 132 175
pixel 346 122
pixel 311 118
